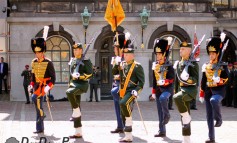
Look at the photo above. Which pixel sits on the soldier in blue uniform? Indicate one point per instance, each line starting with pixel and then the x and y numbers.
pixel 163 78
pixel 116 60
pixel 78 84
pixel 186 84
pixel 43 79
pixel 213 86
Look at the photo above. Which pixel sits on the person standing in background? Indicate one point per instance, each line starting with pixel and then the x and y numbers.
pixel 94 83
pixel 234 85
pixel 228 99
pixel 3 74
pixel 26 81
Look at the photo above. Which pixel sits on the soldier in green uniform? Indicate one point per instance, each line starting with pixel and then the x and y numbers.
pixel 43 79
pixel 26 81
pixel 187 83
pixel 78 84
pixel 132 82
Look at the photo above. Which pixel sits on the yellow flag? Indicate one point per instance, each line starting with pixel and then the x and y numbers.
pixel 114 13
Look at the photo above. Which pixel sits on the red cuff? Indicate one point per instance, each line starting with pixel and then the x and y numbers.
pixel 221 82
pixel 167 82
pixel 50 85
pixel 32 83
pixel 153 91
pixel 201 94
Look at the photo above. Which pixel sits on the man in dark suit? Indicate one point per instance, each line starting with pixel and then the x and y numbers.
pixel 94 82
pixel 227 101
pixel 3 74
pixel 234 84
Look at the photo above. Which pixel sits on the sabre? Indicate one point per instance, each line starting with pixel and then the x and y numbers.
pixel 141 115
pixel 49 107
pixel 47 100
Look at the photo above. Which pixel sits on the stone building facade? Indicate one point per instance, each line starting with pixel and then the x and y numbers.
pixel 175 18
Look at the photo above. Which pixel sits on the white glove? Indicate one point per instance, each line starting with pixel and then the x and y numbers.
pixel 153 66
pixel 201 99
pixel 75 75
pixel 184 75
pixel 216 79
pixel 161 82
pixel 30 87
pixel 46 89
pixel 134 92
pixel 153 96
pixel 117 60
pixel 112 61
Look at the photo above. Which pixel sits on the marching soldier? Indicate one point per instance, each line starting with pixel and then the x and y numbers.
pixel 187 81
pixel 132 81
pixel 116 60
pixel 213 86
pixel 78 84
pixel 43 79
pixel 163 77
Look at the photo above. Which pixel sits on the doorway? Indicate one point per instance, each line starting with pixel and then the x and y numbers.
pixel 105 51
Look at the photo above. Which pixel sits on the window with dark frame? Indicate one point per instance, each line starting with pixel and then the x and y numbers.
pixel 58 50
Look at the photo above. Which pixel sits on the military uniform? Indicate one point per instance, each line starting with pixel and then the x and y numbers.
pixel 186 91
pixel 78 86
pixel 26 81
pixel 115 61
pixel 43 77
pixel 163 77
pixel 212 90
pixel 131 83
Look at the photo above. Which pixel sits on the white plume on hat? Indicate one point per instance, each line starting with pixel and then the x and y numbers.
pixel 169 40
pixel 127 36
pixel 45 34
pixel 222 36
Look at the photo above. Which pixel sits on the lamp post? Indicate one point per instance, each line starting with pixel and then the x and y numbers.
pixel 144 19
pixel 85 20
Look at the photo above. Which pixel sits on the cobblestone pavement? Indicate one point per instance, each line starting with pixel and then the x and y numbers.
pixel 17 120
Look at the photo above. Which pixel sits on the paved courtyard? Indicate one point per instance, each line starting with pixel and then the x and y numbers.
pixel 17 122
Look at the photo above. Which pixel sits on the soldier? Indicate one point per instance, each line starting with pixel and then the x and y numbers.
pixel 213 86
pixel 116 60
pixel 26 81
pixel 43 79
pixel 163 77
pixel 78 84
pixel 234 84
pixel 187 83
pixel 132 81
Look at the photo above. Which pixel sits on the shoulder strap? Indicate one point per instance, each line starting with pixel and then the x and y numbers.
pixel 123 90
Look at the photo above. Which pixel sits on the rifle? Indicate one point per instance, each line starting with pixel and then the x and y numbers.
pixel 80 61
pixel 219 64
pixel 191 59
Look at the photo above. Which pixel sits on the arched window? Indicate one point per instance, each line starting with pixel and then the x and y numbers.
pixel 58 50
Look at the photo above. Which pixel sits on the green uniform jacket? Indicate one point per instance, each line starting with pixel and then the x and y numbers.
pixel 85 73
pixel 137 79
pixel 27 77
pixel 193 79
